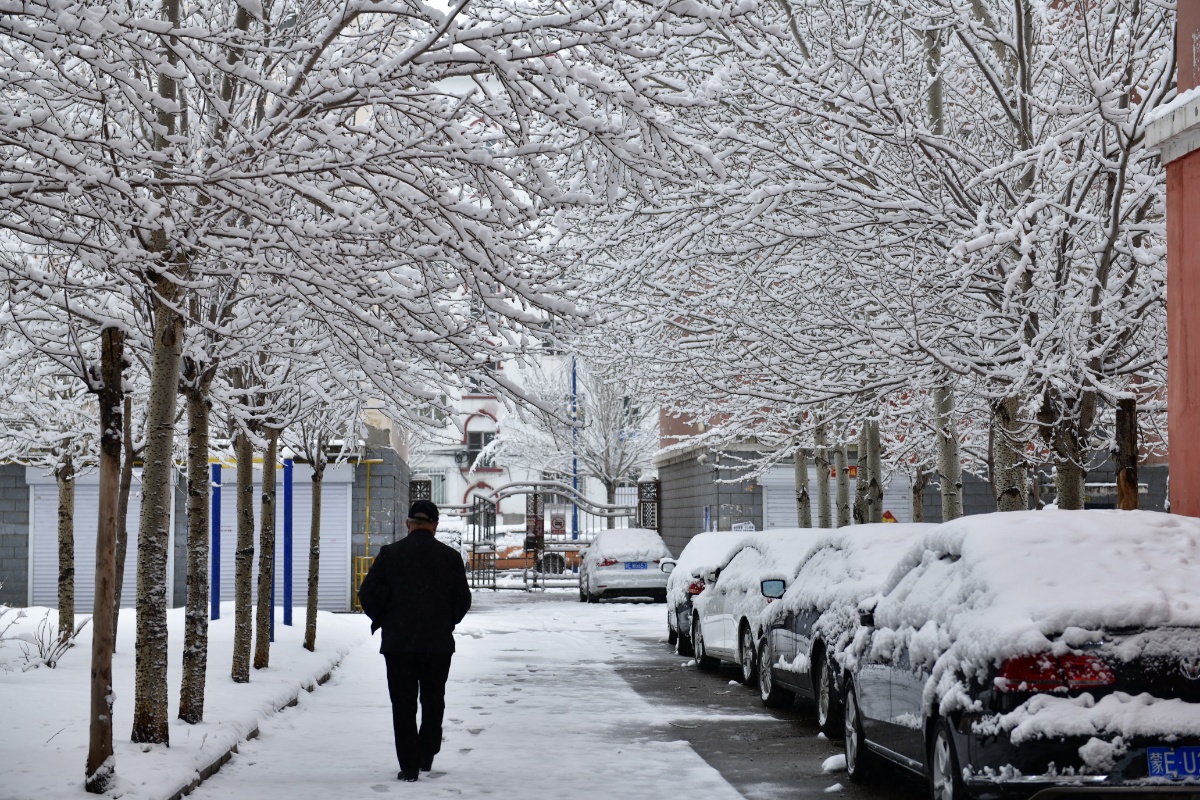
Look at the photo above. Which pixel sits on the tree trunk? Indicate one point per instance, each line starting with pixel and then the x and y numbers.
pixel 860 484
pixel 824 510
pixel 610 491
pixel 1126 456
pixel 154 528
pixel 64 474
pixel 243 558
pixel 949 461
pixel 875 482
pixel 843 486
pixel 101 765
pixel 1008 456
pixel 920 481
pixel 195 634
pixel 126 485
pixel 314 552
pixel 266 555
pixel 803 502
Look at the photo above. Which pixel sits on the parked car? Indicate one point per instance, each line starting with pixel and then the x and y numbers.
pixel 808 627
pixel 624 562
pixel 725 616
pixel 702 552
pixel 1034 650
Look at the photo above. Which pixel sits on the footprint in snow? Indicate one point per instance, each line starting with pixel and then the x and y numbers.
pixel 379 787
pixel 475 731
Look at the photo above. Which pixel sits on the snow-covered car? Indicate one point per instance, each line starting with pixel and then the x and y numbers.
pixel 807 628
pixel 725 616
pixel 624 562
pixel 1034 650
pixel 702 552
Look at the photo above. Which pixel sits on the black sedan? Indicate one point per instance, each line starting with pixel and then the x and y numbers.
pixel 1025 652
pixel 808 627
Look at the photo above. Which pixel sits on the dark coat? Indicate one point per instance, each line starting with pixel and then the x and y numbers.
pixel 416 590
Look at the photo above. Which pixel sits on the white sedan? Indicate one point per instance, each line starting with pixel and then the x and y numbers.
pixel 624 562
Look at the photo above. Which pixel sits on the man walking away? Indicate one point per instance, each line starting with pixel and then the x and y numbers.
pixel 417 592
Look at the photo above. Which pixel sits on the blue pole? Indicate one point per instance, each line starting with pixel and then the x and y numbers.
pixel 287 541
pixel 269 474
pixel 214 585
pixel 574 453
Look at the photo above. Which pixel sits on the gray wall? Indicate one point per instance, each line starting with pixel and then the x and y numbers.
pixel 14 536
pixel 179 589
pixel 389 500
pixel 686 487
pixel 978 499
pixel 696 478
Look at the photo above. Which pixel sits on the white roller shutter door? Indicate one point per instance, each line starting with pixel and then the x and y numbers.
pixel 43 524
pixel 333 591
pixel 779 496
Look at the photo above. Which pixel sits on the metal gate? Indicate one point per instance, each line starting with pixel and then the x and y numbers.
pixel 481 539
pixel 559 523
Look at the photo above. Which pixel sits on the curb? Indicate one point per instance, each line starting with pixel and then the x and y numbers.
pixel 214 766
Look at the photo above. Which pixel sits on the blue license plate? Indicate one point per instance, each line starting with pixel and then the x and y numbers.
pixel 1175 763
pixel 635 565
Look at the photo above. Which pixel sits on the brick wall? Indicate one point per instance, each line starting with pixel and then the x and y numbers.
pixel 14 536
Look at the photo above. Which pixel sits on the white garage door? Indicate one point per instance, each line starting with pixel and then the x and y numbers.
pixel 333 591
pixel 779 496
pixel 43 522
pixel 334 585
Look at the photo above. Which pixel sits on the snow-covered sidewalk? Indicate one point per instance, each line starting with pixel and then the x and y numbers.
pixel 534 709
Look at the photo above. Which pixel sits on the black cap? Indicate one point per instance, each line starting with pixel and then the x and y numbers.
pixel 423 511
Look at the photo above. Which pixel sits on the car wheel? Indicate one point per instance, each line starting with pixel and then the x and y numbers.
pixel 582 596
pixel 749 656
pixel 684 646
pixel 858 759
pixel 770 693
pixel 828 708
pixel 672 636
pixel 703 659
pixel 945 776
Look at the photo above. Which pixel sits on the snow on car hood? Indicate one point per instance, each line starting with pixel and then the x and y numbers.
pixel 703 551
pixel 628 544
pixel 1011 579
pixel 845 565
pixel 773 553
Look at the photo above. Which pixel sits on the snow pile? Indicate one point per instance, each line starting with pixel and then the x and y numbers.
pixel 628 544
pixel 703 551
pixel 984 588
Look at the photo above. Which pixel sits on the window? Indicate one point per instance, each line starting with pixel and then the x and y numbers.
pixel 477 386
pixel 476 442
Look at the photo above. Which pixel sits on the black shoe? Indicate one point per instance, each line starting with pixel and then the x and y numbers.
pixel 406 775
pixel 426 764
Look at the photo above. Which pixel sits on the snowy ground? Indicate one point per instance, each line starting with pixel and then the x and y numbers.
pixel 533 705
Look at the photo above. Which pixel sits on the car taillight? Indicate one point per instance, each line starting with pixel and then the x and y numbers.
pixel 1083 671
pixel 608 562
pixel 695 587
pixel 1046 673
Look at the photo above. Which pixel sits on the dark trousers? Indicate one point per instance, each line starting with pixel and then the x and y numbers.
pixel 412 676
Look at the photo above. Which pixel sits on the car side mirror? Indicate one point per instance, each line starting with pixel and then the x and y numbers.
pixel 668 566
pixel 711 575
pixel 773 588
pixel 866 618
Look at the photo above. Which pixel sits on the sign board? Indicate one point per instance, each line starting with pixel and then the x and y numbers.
pixel 742 527
pixel 889 516
pixel 558 523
